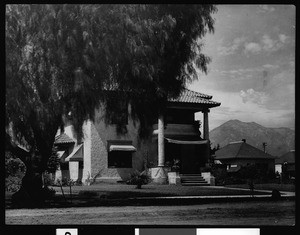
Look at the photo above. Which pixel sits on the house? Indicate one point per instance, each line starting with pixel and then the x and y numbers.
pixel 238 154
pixel 286 163
pixel 105 155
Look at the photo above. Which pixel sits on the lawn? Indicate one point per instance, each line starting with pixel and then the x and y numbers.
pixel 115 191
pixel 102 194
pixel 279 187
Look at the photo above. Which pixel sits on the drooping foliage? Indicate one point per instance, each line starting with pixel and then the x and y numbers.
pixel 66 58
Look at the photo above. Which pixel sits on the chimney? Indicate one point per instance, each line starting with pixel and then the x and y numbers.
pixel 244 140
pixel 264 147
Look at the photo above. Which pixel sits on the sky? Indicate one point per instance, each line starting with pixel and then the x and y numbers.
pixel 252 72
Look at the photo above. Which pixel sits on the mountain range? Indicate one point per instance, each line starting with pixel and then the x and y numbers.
pixel 279 140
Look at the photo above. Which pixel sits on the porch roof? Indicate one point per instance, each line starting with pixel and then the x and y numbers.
pixel 192 97
pixel 63 139
pixel 174 141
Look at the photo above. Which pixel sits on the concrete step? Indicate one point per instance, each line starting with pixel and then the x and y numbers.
pixel 195 184
pixel 192 180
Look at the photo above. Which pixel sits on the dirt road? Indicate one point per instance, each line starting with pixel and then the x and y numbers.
pixel 245 213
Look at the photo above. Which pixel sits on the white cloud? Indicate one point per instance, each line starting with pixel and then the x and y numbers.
pixel 270 66
pixel 253 96
pixel 231 48
pixel 283 38
pixel 266 44
pixel 265 8
pixel 252 47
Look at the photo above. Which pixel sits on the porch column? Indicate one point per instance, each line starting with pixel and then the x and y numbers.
pixel 205 125
pixel 159 174
pixel 161 141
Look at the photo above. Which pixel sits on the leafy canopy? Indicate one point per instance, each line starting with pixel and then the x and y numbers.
pixel 62 58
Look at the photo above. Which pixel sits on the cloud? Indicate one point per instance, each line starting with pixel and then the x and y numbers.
pixel 231 48
pixel 270 66
pixel 266 44
pixel 254 110
pixel 253 96
pixel 265 9
pixel 283 38
pixel 252 47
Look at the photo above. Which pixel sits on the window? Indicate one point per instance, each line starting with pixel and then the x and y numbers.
pixel 80 164
pixel 120 159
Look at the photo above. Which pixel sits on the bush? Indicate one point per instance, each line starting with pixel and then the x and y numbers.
pixel 48 179
pixel 139 178
pixel 220 174
pixel 12 183
pixel 14 166
pixel 48 193
pixel 14 172
pixel 233 180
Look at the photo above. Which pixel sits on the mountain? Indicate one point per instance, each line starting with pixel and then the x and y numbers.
pixel 279 140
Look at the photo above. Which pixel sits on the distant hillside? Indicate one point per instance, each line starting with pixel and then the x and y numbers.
pixel 279 140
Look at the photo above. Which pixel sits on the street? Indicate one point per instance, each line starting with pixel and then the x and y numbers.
pixel 233 213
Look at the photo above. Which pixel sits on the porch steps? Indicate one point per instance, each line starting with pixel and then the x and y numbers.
pixel 192 180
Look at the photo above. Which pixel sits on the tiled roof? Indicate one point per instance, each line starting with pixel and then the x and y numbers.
pixel 63 139
pixel 188 96
pixel 238 150
pixel 288 157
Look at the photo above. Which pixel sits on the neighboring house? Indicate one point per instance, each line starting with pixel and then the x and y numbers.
pixel 105 155
pixel 238 154
pixel 286 163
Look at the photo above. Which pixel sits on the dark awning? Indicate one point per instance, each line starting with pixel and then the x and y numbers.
pixel 76 155
pixel 119 147
pixel 173 141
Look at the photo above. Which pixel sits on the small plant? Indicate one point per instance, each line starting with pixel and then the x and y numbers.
pixel 175 167
pixel 139 178
pixel 78 182
pixel 88 179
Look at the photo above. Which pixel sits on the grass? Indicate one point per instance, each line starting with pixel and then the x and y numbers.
pixel 115 191
pixel 103 193
pixel 269 186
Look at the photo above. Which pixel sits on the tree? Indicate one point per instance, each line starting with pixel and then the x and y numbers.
pixel 66 58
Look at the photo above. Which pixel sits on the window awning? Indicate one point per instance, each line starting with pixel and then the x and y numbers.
pixel 119 147
pixel 172 141
pixel 76 155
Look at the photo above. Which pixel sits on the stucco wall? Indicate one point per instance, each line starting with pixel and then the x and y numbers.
pixel 100 134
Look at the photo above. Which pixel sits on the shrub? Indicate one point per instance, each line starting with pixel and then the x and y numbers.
pixel 12 183
pixel 139 178
pixel 48 193
pixel 48 179
pixel 14 172
pixel 220 174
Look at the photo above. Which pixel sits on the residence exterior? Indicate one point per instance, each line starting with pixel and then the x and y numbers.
pixel 239 153
pixel 286 163
pixel 105 155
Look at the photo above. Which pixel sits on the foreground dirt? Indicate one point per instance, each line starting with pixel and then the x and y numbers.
pixel 245 213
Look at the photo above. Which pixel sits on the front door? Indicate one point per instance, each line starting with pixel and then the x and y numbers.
pixel 190 160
